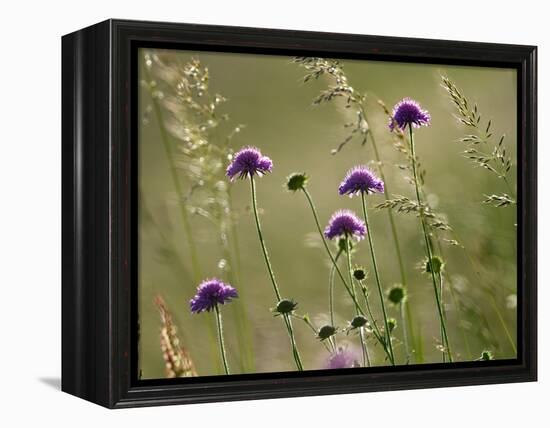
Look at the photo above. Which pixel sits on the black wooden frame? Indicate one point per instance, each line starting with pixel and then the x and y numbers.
pixel 99 213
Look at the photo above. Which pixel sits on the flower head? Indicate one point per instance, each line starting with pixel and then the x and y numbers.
pixel 397 294
pixel 342 359
pixel 211 292
pixel 392 324
pixel 296 181
pixel 408 112
pixel 359 273
pixel 360 179
pixel 436 265
pixel 357 322
pixel 487 356
pixel 285 307
pixel 345 223
pixel 247 162
pixel 325 332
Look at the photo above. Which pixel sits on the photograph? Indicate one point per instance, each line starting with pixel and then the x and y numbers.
pixel 309 213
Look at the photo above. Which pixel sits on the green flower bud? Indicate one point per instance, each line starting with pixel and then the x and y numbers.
pixel 359 273
pixel 397 294
pixel 296 181
pixel 436 265
pixel 285 306
pixel 325 332
pixel 358 321
pixel 392 324
pixel 487 356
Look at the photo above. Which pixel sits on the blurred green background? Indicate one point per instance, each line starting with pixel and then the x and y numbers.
pixel 268 96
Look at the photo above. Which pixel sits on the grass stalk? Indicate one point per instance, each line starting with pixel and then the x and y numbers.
pixel 428 247
pixel 195 266
pixel 177 185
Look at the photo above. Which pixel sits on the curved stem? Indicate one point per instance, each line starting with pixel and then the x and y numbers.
pixel 262 242
pixel 350 272
pixel 314 330
pixel 395 236
pixel 220 338
pixel 332 259
pixel 376 330
pixel 331 288
pixel 337 268
pixel 428 247
pixel 286 319
pixel 377 277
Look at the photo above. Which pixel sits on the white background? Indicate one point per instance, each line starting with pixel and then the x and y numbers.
pixel 30 214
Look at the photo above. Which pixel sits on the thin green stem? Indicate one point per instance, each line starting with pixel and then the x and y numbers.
pixel 454 299
pixel 501 319
pixel 331 288
pixel 337 268
pixel 350 272
pixel 295 353
pixel 220 338
pixel 286 319
pixel 395 236
pixel 366 356
pixel 332 259
pixel 243 339
pixel 442 302
pixel 405 335
pixel 428 247
pixel 377 277
pixel 231 254
pixel 314 330
pixel 415 347
pixel 262 242
pixel 376 330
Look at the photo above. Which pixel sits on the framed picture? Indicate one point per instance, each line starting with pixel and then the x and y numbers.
pixel 253 213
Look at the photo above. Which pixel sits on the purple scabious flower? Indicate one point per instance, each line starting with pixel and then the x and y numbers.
pixel 247 162
pixel 211 292
pixel 345 223
pixel 360 179
pixel 342 359
pixel 408 112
